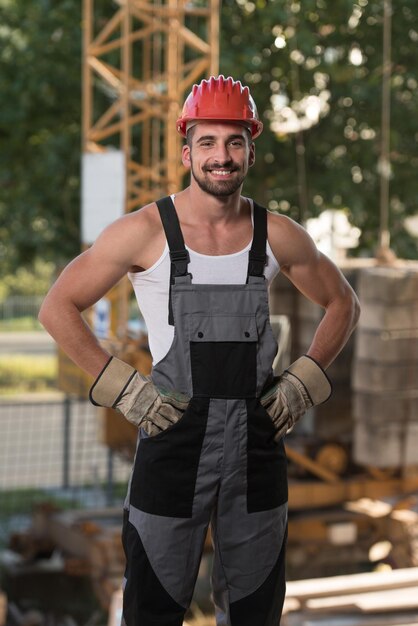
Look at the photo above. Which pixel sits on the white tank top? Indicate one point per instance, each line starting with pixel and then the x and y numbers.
pixel 152 287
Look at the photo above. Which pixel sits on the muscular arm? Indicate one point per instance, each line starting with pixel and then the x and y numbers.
pixel 87 279
pixel 318 278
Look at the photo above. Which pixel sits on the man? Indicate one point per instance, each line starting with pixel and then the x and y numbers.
pixel 212 421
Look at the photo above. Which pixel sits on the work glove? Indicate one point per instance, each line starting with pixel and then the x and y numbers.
pixel 152 408
pixel 302 385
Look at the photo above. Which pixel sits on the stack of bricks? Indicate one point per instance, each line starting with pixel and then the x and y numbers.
pixel 332 420
pixel 385 368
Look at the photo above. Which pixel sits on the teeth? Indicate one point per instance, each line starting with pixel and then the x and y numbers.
pixel 221 172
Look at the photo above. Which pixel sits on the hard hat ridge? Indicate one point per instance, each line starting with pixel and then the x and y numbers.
pixel 223 99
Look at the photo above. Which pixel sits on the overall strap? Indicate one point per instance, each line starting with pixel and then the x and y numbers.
pixel 257 255
pixel 179 256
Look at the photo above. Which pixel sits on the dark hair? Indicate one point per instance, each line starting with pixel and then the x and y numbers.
pixel 189 136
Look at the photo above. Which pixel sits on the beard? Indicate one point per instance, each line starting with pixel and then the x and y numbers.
pixel 219 188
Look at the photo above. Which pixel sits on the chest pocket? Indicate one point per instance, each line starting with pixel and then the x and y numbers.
pixel 223 353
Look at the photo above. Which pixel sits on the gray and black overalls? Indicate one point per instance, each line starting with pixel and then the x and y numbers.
pixel 218 464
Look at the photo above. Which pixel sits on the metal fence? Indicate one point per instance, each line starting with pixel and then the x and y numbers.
pixel 52 452
pixel 15 307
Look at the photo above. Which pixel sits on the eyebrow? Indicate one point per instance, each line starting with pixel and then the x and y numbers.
pixel 213 137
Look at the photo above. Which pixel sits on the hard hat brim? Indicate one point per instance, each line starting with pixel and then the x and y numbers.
pixel 255 127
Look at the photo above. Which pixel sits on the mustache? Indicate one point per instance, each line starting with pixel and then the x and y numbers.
pixel 230 165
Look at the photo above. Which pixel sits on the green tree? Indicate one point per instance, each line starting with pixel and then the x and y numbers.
pixel 33 281
pixel 40 70
pixel 284 49
pixel 289 49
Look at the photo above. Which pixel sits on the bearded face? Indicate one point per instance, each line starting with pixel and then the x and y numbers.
pixel 219 156
pixel 219 179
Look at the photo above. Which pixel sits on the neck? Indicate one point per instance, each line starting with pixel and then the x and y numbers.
pixel 203 208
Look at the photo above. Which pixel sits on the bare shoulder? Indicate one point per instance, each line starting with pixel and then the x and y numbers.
pixel 126 244
pixel 137 226
pixel 313 273
pixel 290 242
pixel 136 238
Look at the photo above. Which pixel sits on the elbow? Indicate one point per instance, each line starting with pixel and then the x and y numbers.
pixel 55 311
pixel 48 312
pixel 347 308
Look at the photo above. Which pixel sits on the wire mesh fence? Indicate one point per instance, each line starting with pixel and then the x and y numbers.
pixel 15 307
pixel 52 452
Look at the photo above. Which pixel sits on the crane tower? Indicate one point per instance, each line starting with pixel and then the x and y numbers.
pixel 140 59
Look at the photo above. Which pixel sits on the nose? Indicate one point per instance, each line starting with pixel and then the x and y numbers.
pixel 222 155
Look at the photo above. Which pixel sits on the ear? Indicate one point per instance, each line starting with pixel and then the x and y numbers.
pixel 185 156
pixel 251 156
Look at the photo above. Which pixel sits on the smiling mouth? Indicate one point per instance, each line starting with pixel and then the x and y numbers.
pixel 221 172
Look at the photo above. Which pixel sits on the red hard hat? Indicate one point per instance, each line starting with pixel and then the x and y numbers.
pixel 223 99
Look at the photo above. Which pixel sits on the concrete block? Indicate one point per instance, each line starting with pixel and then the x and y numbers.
pixel 389 284
pixel 386 346
pixel 378 408
pixel 384 377
pixel 390 445
pixel 382 316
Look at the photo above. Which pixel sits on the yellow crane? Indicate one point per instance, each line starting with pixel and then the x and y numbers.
pixel 140 59
pixel 146 56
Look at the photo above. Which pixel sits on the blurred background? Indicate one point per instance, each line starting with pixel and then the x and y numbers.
pixel 90 91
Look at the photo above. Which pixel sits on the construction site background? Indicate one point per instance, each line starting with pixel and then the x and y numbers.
pixel 336 88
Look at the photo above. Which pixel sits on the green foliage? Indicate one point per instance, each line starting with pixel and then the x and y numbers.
pixel 33 281
pixel 40 69
pixel 280 48
pixel 342 150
